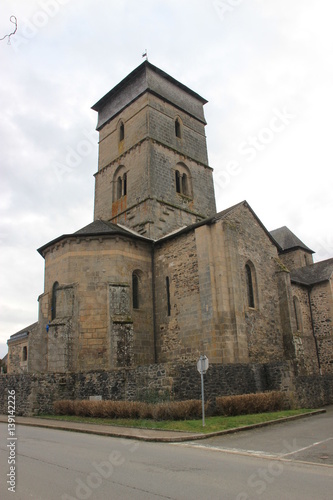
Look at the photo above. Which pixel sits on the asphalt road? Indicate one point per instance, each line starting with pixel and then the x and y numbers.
pixel 279 462
pixel 307 440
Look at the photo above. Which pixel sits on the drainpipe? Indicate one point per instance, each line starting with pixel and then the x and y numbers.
pixel 313 330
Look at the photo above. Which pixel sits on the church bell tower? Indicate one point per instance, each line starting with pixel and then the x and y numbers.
pixel 153 174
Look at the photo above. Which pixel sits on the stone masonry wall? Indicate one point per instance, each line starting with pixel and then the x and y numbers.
pixel 163 164
pixel 178 325
pixel 215 317
pixel 16 363
pixel 263 322
pixel 38 349
pixel 60 339
pixel 304 341
pixel 192 142
pixel 296 258
pixel 322 311
pixel 135 122
pixel 150 168
pixel 94 264
pixel 149 154
pixel 151 116
pixel 135 163
pixel 35 393
pixel 21 351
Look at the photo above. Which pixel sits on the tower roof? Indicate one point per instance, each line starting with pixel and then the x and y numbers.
pixel 96 228
pixel 288 240
pixel 148 78
pixel 311 275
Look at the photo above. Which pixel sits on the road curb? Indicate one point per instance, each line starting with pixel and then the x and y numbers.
pixel 261 424
pixel 139 434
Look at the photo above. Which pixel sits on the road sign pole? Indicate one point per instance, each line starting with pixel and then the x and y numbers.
pixel 202 396
pixel 202 367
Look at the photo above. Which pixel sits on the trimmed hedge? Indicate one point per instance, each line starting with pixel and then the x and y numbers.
pixel 251 403
pixel 173 410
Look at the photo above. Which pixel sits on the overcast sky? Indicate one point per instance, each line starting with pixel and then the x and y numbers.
pixel 265 66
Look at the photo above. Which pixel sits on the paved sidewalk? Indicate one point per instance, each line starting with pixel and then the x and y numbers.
pixel 105 430
pixel 136 433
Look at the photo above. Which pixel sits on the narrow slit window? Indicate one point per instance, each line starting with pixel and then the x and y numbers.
pixel 298 314
pixel 249 284
pixel 121 132
pixel 25 353
pixel 125 184
pixel 167 282
pixel 177 128
pixel 178 190
pixel 135 291
pixel 54 300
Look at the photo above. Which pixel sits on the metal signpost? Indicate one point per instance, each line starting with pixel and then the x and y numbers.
pixel 202 366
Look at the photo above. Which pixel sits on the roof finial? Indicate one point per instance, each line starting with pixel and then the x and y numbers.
pixel 145 54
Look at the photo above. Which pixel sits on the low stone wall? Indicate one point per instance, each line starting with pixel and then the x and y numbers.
pixel 35 393
pixel 314 391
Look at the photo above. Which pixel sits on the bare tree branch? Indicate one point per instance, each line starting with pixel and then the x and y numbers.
pixel 14 21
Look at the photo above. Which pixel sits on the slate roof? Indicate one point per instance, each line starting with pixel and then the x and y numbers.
pixel 219 216
pixel 288 240
pixel 148 78
pixel 98 227
pixel 105 228
pixel 22 333
pixel 101 227
pixel 314 274
pixel 208 220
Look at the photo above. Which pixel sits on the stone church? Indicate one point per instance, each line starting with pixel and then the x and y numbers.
pixel 159 276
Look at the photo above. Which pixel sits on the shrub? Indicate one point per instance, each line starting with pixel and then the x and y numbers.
pixel 146 410
pixel 81 408
pixel 172 410
pixel 250 403
pixel 64 407
pixel 178 410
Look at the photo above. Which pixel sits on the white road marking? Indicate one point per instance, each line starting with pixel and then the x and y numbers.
pixel 236 451
pixel 306 447
pixel 257 453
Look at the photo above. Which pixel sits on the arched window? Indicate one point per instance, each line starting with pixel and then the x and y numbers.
pixel 54 300
pixel 120 183
pixel 178 130
pixel 24 353
pixel 135 290
pixel 183 180
pixel 298 314
pixel 121 131
pixel 249 286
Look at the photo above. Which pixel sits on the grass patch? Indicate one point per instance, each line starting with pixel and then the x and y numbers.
pixel 213 424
